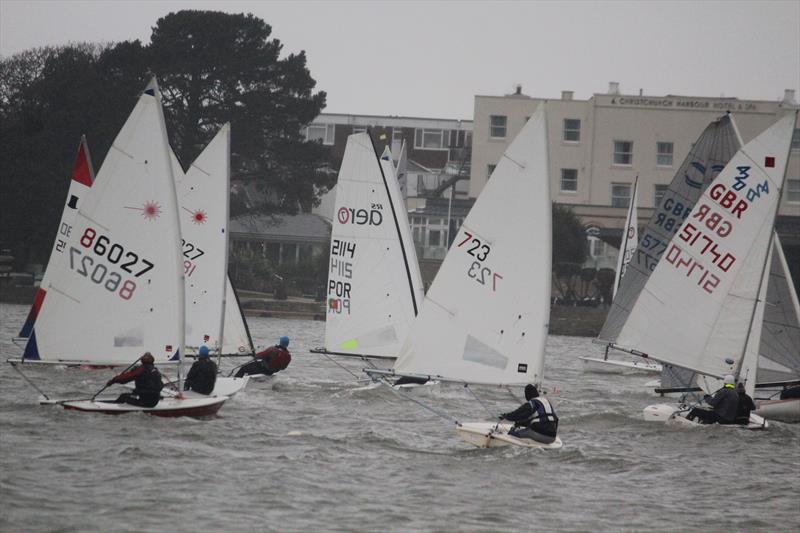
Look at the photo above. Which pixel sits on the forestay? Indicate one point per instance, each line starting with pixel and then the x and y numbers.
pixel 707 157
pixel 119 291
pixel 698 305
pixel 374 285
pixel 80 181
pixel 484 319
pixel 203 200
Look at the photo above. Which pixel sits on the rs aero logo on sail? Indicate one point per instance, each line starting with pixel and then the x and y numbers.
pixel 360 217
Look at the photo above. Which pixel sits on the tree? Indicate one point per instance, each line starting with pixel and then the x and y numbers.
pixel 569 237
pixel 217 67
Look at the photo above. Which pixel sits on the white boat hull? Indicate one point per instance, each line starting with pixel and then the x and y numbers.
pixel 782 410
pixel 616 366
pixel 675 414
pixel 493 435
pixel 167 407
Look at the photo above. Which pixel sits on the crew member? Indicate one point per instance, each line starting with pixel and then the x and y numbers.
pixel 725 403
pixel 147 392
pixel 203 374
pixel 272 360
pixel 745 405
pixel 535 419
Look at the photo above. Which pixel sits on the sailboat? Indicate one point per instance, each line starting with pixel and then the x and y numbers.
pixel 374 281
pixel 707 157
pixel 700 307
pixel 627 250
pixel 119 290
pixel 203 193
pixel 484 319
pixel 81 180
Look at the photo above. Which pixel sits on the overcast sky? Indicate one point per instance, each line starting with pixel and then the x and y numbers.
pixel 430 58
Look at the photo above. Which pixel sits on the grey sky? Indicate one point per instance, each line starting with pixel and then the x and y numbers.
pixel 431 58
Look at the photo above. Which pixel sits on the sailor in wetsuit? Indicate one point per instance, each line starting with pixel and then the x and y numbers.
pixel 272 360
pixel 725 403
pixel 535 419
pixel 745 405
pixel 147 392
pixel 203 374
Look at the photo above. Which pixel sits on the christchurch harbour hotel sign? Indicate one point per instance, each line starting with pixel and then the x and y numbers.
pixel 682 103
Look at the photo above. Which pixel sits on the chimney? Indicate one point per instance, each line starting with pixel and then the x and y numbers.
pixel 566 95
pixel 788 97
pixel 613 87
pixel 518 89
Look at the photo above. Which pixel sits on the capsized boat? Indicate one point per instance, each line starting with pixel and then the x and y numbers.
pixel 484 319
pixel 712 284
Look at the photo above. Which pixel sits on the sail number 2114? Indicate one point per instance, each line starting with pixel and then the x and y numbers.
pixel 477 270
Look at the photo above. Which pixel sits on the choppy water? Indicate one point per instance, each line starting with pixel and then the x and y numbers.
pixel 313 450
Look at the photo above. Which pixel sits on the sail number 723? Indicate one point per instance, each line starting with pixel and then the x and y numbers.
pixel 478 270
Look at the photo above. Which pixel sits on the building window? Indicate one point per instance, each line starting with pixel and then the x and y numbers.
pixel 623 153
pixel 497 126
pixel 429 139
pixel 620 194
pixel 660 191
pixel 321 132
pixel 597 248
pixel 569 180
pixel 664 154
pixel 434 237
pixel 796 139
pixel 793 190
pixel 397 135
pixel 572 130
pixel 489 170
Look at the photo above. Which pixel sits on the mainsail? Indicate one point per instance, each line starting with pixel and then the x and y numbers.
pixel 708 156
pixel 203 201
pixel 80 181
pixel 698 306
pixel 484 319
pixel 374 284
pixel 119 290
pixel 630 237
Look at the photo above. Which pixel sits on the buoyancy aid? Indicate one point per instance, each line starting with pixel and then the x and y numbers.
pixel 149 381
pixel 543 412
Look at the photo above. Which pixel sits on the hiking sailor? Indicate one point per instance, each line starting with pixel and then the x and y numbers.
pixel 148 383
pixel 535 419
pixel 745 405
pixel 203 374
pixel 725 402
pixel 272 360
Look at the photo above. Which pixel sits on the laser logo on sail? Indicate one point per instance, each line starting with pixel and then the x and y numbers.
pixel 359 217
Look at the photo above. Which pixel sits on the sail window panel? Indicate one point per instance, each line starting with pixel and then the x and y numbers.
pixel 796 139
pixel 620 194
pixel 793 190
pixel 497 126
pixel 569 180
pixel 428 139
pixel 572 130
pixel 623 153
pixel 323 133
pixel 664 151
pixel 659 190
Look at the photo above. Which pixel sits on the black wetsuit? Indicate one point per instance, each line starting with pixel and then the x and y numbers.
pixel 202 376
pixel 534 420
pixel 746 404
pixel 725 403
pixel 147 392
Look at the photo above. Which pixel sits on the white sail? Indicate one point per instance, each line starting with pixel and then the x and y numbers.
pixel 484 319
pixel 236 338
pixel 630 237
pixel 119 291
pixel 373 277
pixel 697 307
pixel 203 201
pixel 779 351
pixel 80 181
